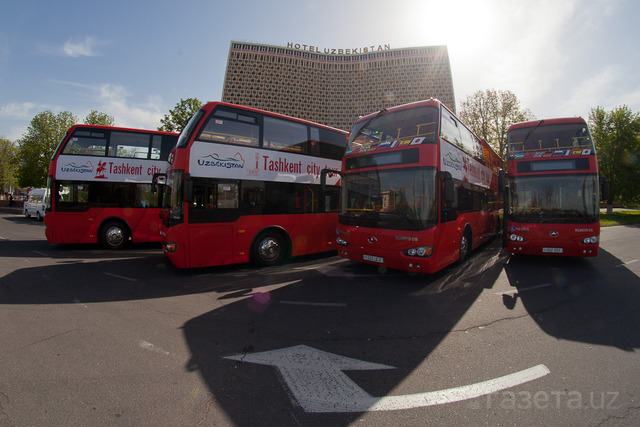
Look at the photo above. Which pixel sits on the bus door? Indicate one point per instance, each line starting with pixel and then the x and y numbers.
pixel 213 210
pixel 447 240
pixel 71 221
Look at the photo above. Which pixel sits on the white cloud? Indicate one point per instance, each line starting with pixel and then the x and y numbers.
pixel 114 101
pixel 608 87
pixel 17 110
pixel 80 48
pixel 600 88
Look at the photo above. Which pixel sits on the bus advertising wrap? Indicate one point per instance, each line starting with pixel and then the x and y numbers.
pixel 463 167
pixel 83 168
pixel 237 162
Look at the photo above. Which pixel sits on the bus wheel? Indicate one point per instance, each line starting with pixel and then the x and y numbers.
pixel 26 214
pixel 114 235
pixel 269 249
pixel 465 245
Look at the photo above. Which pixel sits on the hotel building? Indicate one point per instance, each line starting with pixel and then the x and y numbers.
pixel 335 86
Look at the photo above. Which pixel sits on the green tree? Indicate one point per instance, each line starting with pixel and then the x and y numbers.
pixel 178 117
pixel 8 163
pixel 97 118
pixel 490 113
pixel 37 146
pixel 616 137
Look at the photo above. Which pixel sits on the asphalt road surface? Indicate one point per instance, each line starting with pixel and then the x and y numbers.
pixel 95 337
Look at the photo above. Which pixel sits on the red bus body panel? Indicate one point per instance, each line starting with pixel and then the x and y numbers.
pixel 553 239
pixel 203 245
pixel 83 227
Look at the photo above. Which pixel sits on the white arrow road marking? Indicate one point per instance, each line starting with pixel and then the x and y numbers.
pixel 318 384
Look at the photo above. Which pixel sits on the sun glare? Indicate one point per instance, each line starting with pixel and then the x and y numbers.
pixel 464 26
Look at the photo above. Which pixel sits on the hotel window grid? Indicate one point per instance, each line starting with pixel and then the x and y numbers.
pixel 335 89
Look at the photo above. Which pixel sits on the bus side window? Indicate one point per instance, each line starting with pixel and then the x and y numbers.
pixel 130 145
pixel 285 135
pixel 86 146
pixel 238 132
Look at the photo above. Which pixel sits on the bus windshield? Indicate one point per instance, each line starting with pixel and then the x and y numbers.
pixel 564 136
pixel 400 126
pixel 554 199
pixel 400 199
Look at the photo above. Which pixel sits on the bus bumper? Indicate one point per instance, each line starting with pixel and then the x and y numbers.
pixel 388 259
pixel 554 239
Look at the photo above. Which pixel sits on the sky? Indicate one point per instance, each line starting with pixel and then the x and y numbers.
pixel 135 59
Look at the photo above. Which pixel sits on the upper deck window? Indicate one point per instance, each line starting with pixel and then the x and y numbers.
pixel 86 143
pixel 285 135
pixel 128 144
pixel 457 134
pixel 564 136
pixel 396 128
pixel 232 128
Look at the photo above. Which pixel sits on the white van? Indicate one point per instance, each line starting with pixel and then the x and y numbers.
pixel 34 203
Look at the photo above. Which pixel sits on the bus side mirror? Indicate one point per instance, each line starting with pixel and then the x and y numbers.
pixel 188 189
pixel 501 180
pixel 605 188
pixel 159 179
pixel 323 177
pixel 447 187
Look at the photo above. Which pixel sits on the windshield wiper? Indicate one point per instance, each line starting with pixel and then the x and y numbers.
pixel 381 112
pixel 530 132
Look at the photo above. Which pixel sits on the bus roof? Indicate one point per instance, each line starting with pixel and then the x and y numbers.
pixel 432 101
pixel 74 127
pixel 209 106
pixel 554 121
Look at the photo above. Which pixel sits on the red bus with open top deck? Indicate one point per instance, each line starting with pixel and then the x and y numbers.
pixel 99 187
pixel 245 185
pixel 419 189
pixel 553 193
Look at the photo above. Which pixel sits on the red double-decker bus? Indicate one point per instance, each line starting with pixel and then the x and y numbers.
pixel 553 189
pixel 419 189
pixel 245 185
pixel 99 187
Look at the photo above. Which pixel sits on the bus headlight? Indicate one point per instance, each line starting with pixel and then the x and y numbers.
pixel 170 247
pixel 590 240
pixel 516 238
pixel 341 241
pixel 422 251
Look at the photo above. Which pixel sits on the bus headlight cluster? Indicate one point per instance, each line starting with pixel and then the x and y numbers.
pixel 516 238
pixel 590 240
pixel 341 241
pixel 170 247
pixel 422 251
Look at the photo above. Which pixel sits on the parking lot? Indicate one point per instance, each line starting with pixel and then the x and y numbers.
pixel 96 337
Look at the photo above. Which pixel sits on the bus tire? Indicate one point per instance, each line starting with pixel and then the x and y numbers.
pixel 114 235
pixel 26 214
pixel 269 248
pixel 465 245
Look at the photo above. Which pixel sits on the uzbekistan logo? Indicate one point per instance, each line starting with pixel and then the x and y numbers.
pixel 452 162
pixel 74 168
pixel 214 160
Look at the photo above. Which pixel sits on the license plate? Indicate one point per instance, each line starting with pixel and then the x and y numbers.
pixel 552 250
pixel 372 258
